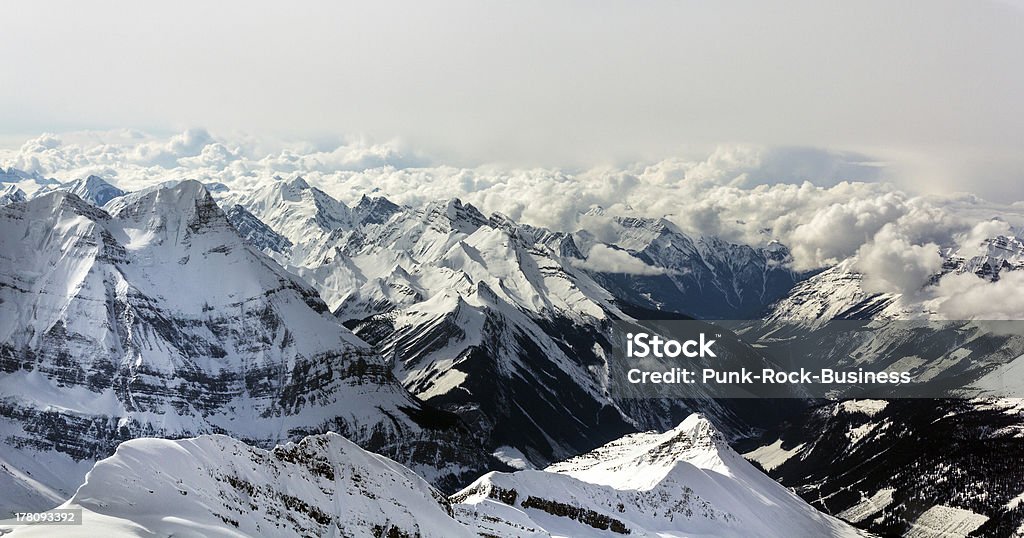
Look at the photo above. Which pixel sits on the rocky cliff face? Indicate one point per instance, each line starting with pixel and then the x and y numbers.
pixel 154 318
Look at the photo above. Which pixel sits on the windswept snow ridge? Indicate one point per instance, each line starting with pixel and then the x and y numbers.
pixel 684 482
pixel 214 485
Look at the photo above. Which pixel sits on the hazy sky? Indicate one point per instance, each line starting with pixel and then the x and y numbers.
pixel 934 88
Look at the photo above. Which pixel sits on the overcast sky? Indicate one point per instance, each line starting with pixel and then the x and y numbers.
pixel 933 88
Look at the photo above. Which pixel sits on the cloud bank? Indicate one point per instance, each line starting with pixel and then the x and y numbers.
pixel 936 87
pixel 605 259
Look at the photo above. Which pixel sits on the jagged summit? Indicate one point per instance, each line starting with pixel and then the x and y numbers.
pixel 13 175
pixel 997 254
pixel 297 183
pixel 304 215
pixel 619 463
pixel 684 482
pixel 12 194
pixel 454 214
pixel 93 189
pixel 374 210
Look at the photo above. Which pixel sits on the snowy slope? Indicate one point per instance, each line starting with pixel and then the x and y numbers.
pixel 684 482
pixel 835 293
pixel 214 485
pixel 122 324
pixel 255 232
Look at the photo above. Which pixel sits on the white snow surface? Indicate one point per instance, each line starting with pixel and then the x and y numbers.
pixel 942 521
pixel 773 455
pixel 684 482
pixel 216 486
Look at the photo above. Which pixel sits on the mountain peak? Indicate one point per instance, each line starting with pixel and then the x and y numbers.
pixel 93 189
pixel 643 458
pixel 298 183
pixel 55 203
pixel 623 486
pixel 374 210
pixel 12 194
pixel 172 208
pixel 464 218
pixel 13 175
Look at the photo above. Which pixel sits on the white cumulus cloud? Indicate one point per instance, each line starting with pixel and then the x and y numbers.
pixel 606 259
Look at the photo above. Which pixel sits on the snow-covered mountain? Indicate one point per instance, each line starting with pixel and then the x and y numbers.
pixel 11 194
pixel 214 485
pixel 93 189
pixel 835 293
pixel 304 215
pixel 683 482
pixel 707 277
pixel 494 320
pixel 159 314
pixel 29 181
pixel 154 318
pixel 457 301
pixel 940 469
pixel 1000 253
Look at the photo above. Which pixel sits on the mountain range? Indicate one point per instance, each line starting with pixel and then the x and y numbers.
pixel 683 482
pixel 193 324
pixel 154 318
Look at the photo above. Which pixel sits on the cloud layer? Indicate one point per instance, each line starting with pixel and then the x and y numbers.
pixel 932 84
pixel 605 259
